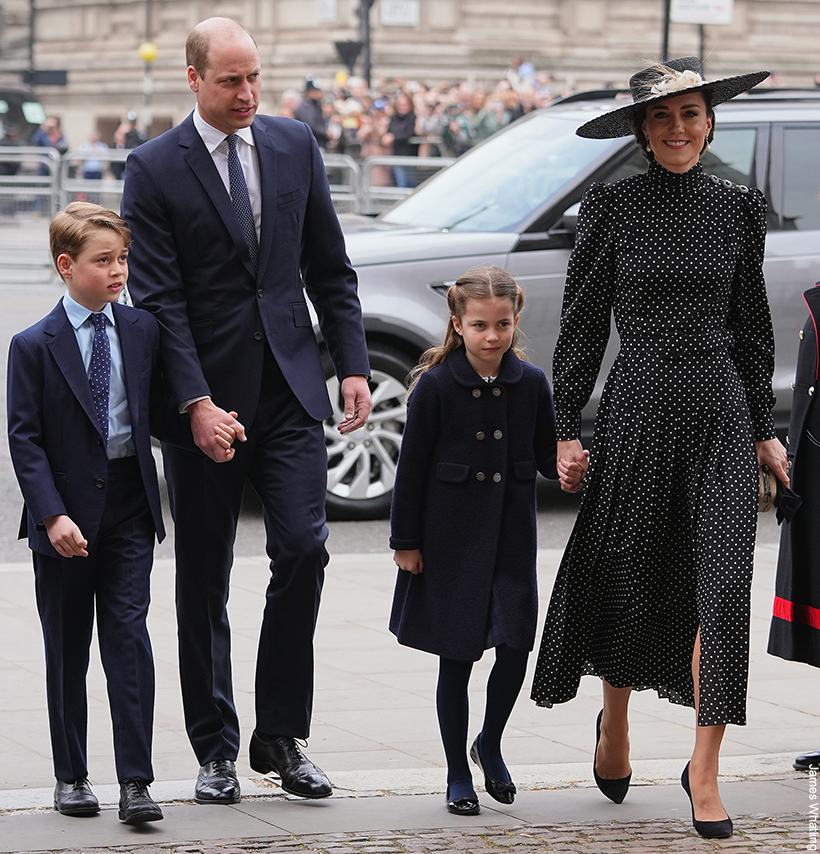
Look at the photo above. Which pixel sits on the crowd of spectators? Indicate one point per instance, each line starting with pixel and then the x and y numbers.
pixel 409 118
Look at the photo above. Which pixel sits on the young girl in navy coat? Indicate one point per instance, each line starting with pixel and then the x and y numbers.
pixel 480 424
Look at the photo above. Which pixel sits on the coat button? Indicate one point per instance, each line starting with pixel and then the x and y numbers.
pixel 497 477
pixel 479 475
pixel 497 392
pixel 792 386
pixel 257 336
pixel 476 392
pixel 811 390
pixel 99 483
pixel 479 435
pixel 498 434
pixel 800 334
pixel 260 293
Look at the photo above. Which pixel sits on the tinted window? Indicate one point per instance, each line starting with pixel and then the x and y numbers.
pixel 801 179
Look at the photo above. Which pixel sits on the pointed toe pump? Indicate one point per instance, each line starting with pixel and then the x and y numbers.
pixel 616 789
pixel 707 829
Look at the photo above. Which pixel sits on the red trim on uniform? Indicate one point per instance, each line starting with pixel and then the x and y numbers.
pixel 816 340
pixel 794 612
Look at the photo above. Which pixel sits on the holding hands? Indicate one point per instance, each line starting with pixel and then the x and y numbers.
pixel 573 462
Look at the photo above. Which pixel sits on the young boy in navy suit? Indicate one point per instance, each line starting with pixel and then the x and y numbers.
pixel 79 386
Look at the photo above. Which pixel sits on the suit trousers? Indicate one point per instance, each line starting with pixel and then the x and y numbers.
pixel 285 461
pixel 116 576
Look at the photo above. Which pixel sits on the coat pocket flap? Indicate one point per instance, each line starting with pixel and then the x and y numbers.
pixel 452 472
pixel 301 314
pixel 525 470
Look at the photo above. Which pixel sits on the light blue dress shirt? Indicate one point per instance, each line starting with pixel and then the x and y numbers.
pixel 120 443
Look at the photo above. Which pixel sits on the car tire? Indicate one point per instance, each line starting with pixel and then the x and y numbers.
pixel 362 465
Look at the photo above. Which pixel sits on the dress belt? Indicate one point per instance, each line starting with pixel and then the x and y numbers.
pixel 678 342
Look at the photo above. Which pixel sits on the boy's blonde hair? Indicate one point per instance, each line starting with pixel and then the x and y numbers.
pixel 481 283
pixel 74 226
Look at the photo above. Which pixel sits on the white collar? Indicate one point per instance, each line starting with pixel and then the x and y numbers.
pixel 78 314
pixel 212 137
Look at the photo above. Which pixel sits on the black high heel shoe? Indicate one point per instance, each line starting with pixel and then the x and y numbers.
pixel 707 829
pixel 502 791
pixel 462 806
pixel 616 789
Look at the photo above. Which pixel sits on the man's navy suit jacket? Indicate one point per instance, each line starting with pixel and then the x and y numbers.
pixel 56 446
pixel 191 267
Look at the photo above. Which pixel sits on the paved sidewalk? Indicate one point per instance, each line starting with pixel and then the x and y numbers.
pixel 375 734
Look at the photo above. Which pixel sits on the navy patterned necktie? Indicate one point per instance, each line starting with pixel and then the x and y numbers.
pixel 241 199
pixel 99 374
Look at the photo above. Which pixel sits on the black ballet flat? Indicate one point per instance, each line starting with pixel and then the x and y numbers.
pixel 615 790
pixel 707 829
pixel 502 791
pixel 462 806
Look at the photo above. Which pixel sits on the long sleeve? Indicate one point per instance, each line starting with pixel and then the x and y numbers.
pixel 586 312
pixel 750 320
pixel 420 433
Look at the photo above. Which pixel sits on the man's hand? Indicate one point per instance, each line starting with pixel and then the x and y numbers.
pixel 409 560
pixel 212 429
pixel 65 536
pixel 358 403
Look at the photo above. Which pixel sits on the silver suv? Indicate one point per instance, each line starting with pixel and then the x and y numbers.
pixel 512 201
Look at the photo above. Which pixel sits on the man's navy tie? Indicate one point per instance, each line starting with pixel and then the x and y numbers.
pixel 100 373
pixel 241 200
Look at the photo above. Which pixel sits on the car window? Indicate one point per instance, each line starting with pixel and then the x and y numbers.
pixel 501 183
pixel 801 179
pixel 730 155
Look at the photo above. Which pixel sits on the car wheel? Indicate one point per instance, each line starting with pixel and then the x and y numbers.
pixel 361 466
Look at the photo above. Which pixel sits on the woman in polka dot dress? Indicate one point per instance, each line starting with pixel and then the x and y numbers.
pixel 654 587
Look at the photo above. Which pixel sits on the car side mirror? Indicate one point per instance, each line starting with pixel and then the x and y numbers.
pixel 569 220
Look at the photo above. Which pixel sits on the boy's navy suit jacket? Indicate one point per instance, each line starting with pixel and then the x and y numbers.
pixel 54 436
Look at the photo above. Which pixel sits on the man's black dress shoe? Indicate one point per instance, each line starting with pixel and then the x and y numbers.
pixel 615 789
pixel 136 805
pixel 503 792
pixel 75 798
pixel 807 760
pixel 707 829
pixel 462 806
pixel 216 783
pixel 283 756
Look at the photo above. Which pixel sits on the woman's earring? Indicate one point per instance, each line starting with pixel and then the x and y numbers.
pixel 648 146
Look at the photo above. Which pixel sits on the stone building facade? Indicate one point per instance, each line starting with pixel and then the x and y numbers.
pixel 582 43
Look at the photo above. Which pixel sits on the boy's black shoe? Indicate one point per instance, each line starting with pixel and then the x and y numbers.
pixel 136 805
pixel 217 783
pixel 75 798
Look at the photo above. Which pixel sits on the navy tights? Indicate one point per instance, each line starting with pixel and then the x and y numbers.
pixel 503 688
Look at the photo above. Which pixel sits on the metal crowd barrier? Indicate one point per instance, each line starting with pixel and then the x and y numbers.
pixel 36 182
pixel 387 179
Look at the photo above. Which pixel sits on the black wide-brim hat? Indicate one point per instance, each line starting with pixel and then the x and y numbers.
pixel 666 80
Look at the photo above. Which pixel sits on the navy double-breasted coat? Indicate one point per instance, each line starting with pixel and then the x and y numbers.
pixel 465 496
pixel 795 629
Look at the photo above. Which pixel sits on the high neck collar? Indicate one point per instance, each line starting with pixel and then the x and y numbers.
pixel 676 181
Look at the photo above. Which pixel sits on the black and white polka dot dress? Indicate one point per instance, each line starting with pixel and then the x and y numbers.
pixel 664 540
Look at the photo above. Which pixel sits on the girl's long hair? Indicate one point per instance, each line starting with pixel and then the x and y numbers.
pixel 480 283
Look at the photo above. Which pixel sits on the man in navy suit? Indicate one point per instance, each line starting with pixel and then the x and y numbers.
pixel 79 391
pixel 233 224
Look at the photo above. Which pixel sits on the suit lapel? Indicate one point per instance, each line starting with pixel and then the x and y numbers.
pixel 266 154
pixel 63 347
pixel 196 155
pixel 131 347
